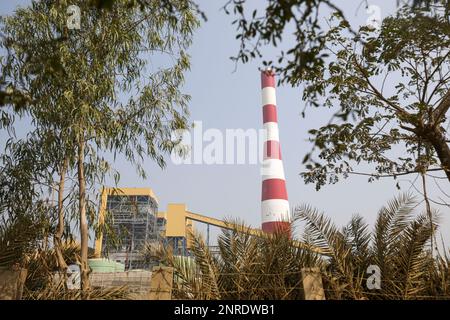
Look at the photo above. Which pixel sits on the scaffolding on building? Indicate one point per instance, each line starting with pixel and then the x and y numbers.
pixel 134 222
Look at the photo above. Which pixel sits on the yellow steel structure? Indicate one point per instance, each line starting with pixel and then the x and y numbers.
pixel 177 225
pixel 176 220
pixel 103 202
pixel 178 217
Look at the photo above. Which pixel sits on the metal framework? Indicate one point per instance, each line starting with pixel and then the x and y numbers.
pixel 134 223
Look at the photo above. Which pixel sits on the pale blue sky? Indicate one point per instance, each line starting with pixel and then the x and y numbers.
pixel 225 99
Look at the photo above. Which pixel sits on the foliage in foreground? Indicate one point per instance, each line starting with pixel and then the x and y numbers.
pixel 58 291
pixel 23 243
pixel 269 267
pixel 385 88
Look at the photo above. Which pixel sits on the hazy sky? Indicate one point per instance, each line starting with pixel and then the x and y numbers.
pixel 224 99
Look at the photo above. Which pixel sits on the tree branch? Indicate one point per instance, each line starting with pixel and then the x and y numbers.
pixel 374 175
pixel 441 109
pixel 398 109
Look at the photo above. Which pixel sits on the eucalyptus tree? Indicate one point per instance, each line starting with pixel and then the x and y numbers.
pixel 113 85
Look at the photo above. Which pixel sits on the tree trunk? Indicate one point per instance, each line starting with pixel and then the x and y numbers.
pixel 83 220
pixel 62 265
pixel 437 140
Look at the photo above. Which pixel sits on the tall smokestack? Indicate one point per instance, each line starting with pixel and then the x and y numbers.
pixel 274 201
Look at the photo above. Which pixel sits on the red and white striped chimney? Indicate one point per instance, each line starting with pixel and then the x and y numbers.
pixel 274 202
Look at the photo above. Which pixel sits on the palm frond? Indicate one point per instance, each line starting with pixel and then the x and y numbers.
pixel 187 283
pixel 19 235
pixel 391 222
pixel 320 229
pixel 238 257
pixel 357 233
pixel 207 266
pixel 58 291
pixel 326 235
pixel 411 258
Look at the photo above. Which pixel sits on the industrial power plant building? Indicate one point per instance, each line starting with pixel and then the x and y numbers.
pixel 128 218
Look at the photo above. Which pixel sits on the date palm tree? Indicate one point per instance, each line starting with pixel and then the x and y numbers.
pixel 269 266
pixel 246 266
pixel 399 245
